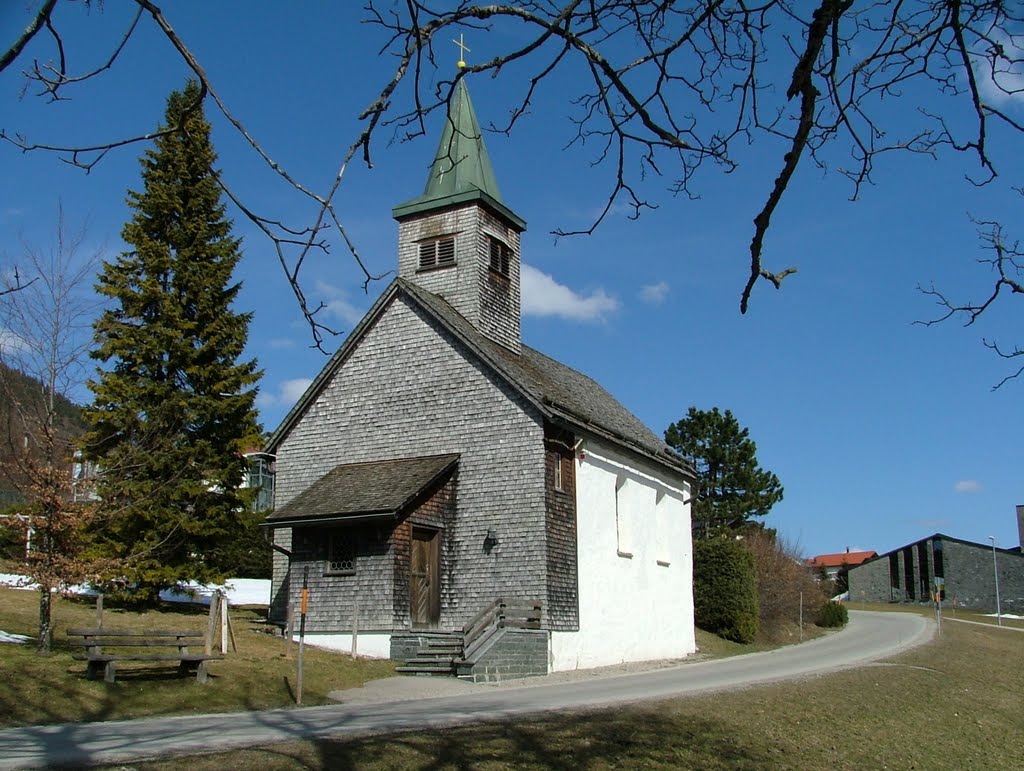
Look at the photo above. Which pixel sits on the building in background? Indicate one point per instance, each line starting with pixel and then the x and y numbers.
pixel 834 564
pixel 966 570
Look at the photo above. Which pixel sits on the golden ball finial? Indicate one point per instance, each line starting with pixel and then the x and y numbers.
pixel 463 48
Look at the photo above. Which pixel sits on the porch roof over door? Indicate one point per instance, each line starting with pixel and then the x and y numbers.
pixel 364 492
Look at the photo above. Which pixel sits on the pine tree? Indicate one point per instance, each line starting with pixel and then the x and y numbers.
pixel 731 485
pixel 173 403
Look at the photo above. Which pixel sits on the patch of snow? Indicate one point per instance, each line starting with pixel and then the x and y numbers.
pixel 1003 615
pixel 15 581
pixel 239 591
pixel 8 637
pixel 844 597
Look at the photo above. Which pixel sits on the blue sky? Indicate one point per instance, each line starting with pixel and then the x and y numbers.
pixel 881 431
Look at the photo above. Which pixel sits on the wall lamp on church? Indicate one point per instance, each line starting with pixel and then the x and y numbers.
pixel 490 540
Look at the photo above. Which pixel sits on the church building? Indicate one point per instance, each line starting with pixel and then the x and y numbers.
pixel 442 484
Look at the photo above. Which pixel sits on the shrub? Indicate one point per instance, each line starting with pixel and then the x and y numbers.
pixel 833 614
pixel 783 581
pixel 724 589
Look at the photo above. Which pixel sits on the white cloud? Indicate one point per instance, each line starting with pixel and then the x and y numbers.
pixel 654 294
pixel 337 303
pixel 1006 81
pixel 967 486
pixel 12 344
pixel 288 392
pixel 543 296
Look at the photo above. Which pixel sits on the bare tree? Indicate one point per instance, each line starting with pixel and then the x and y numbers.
pixel 662 88
pixel 1006 263
pixel 44 334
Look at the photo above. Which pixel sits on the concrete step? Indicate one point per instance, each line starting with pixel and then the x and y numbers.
pixel 440 650
pixel 423 669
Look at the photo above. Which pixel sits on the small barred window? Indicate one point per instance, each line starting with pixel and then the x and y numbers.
pixel 341 553
pixel 438 253
pixel 500 254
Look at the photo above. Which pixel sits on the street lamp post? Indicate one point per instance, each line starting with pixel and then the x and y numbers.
pixel 995 573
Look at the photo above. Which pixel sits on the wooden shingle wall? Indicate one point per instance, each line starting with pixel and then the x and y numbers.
pixel 436 513
pixel 562 601
pixel 407 390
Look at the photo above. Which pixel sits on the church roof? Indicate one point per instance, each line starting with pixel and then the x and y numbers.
pixel 461 171
pixel 562 394
pixel 361 492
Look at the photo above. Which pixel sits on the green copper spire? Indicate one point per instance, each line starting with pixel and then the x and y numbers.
pixel 462 170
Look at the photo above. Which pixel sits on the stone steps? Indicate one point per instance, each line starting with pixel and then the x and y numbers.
pixel 436 658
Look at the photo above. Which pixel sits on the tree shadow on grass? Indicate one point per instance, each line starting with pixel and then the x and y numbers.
pixel 632 737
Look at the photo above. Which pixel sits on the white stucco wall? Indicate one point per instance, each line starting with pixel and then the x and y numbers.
pixel 636 581
pixel 372 645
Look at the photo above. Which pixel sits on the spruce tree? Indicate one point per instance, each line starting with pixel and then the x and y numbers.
pixel 174 404
pixel 732 488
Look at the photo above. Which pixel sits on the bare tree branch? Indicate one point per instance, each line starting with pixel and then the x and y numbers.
pixel 657 89
pixel 40 20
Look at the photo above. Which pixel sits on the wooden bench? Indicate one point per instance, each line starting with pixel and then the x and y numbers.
pixel 139 645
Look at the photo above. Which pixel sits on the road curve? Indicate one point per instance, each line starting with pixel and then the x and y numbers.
pixel 868 637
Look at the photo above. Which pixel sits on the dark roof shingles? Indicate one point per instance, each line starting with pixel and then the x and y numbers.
pixel 577 397
pixel 362 488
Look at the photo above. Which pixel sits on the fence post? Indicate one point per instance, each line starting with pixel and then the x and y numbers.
pixel 211 626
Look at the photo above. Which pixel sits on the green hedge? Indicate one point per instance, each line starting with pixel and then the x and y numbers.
pixel 725 590
pixel 833 614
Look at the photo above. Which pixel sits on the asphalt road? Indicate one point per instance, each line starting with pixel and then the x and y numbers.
pixel 868 637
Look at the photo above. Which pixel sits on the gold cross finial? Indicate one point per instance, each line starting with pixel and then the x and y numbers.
pixel 463 48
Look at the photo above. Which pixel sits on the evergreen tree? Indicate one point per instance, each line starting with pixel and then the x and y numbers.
pixel 731 486
pixel 173 403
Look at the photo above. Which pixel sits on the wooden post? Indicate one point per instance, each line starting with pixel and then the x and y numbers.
pixel 231 634
pixel 288 631
pixel 302 631
pixel 99 610
pixel 211 627
pixel 355 627
pixel 223 622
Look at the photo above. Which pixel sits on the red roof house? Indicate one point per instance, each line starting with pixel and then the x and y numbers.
pixel 832 563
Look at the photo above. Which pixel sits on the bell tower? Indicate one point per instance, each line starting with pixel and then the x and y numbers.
pixel 458 239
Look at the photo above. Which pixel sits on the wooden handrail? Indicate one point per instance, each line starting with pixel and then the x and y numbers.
pixel 524 614
pixel 481 616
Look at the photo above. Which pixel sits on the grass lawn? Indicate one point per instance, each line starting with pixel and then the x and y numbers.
pixel 955 703
pixel 51 689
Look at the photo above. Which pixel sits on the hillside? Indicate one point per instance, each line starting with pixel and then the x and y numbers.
pixel 22 407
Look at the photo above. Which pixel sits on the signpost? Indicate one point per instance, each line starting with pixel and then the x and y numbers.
pixel 302 631
pixel 940 584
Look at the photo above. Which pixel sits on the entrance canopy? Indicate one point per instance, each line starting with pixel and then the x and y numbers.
pixel 356 493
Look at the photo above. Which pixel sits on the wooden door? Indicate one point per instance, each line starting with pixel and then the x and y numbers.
pixel 424 583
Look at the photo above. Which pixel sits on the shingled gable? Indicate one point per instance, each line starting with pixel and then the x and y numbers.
pixel 562 394
pixel 364 492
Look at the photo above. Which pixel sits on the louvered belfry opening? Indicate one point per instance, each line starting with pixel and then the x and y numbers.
pixel 437 253
pixel 500 255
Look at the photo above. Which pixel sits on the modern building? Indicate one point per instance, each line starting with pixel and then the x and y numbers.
pixel 967 573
